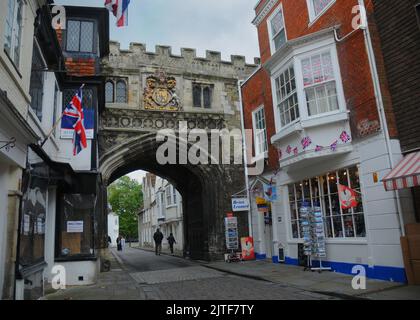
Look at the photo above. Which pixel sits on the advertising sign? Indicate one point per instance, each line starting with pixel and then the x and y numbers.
pixel 240 204
pixel 231 233
pixel 74 226
pixel 247 245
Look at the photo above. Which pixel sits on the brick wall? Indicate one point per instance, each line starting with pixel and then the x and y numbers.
pixel 399 32
pixel 77 66
pixel 255 93
pixel 353 58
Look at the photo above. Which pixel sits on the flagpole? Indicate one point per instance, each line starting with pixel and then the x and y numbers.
pixel 56 124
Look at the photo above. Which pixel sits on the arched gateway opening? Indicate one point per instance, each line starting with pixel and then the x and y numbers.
pixel 159 90
pixel 205 189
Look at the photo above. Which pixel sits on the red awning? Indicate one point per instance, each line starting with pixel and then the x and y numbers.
pixel 405 175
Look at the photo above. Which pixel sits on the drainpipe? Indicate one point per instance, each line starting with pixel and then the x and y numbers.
pixel 380 105
pixel 240 82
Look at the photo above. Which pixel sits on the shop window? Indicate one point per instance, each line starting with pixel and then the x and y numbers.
pixel 323 191
pixel 13 30
pixel 34 208
pixel 80 36
pixel 277 30
pixel 36 89
pixel 76 225
pixel 287 98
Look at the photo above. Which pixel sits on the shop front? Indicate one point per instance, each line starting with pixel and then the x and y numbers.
pixel 358 230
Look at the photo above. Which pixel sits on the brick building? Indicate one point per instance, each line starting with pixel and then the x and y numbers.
pixel 332 123
pixel 399 29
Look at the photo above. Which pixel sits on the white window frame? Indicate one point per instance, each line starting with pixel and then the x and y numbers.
pixel 270 33
pixel 284 68
pixel 296 58
pixel 312 15
pixel 168 196
pixel 15 28
pixel 257 150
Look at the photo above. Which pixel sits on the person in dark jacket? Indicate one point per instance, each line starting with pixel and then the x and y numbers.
pixel 158 237
pixel 119 245
pixel 171 241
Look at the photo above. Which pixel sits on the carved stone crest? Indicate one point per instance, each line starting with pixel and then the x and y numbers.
pixel 160 93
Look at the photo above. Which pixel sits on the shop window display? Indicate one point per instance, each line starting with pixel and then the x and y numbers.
pixel 76 225
pixel 323 191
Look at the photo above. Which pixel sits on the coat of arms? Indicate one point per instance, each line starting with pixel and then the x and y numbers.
pixel 160 93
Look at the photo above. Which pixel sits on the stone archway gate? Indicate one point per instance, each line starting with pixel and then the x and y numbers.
pixel 163 90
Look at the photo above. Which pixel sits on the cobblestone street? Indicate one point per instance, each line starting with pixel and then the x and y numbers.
pixel 141 275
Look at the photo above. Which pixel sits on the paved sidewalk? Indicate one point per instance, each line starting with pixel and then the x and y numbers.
pixel 116 284
pixel 331 283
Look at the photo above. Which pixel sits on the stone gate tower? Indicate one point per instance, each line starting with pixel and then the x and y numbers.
pixel 147 92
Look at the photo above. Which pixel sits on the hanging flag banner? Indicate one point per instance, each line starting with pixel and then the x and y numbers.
pixel 262 204
pixel 119 8
pixel 270 192
pixel 67 130
pixel 347 197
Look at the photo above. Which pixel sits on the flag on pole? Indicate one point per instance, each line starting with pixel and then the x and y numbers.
pixel 119 9
pixel 74 114
pixel 347 197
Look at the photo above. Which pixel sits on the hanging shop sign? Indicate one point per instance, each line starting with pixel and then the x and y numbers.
pixel 240 204
pixel 247 245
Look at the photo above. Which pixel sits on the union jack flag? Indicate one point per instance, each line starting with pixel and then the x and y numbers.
pixel 345 137
pixel 334 145
pixel 306 142
pixel 318 148
pixel 119 9
pixel 289 149
pixel 74 114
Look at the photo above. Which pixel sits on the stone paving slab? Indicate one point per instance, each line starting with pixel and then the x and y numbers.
pixel 174 275
pixel 328 282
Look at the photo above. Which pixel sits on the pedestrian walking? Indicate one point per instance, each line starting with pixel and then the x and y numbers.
pixel 122 243
pixel 171 241
pixel 158 237
pixel 119 247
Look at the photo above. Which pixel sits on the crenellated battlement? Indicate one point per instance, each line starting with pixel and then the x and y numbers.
pixel 163 54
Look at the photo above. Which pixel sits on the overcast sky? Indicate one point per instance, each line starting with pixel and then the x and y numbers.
pixel 219 25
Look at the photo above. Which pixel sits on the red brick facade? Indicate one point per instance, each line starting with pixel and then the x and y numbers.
pixel 78 67
pixel 256 92
pixel 352 54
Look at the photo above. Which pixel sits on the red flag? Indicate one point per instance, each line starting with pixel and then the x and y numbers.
pixel 347 197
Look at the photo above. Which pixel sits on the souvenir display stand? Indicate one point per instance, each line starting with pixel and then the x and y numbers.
pixel 312 223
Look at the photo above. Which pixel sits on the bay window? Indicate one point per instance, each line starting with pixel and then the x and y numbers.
pixel 323 191
pixel 260 131
pixel 319 84
pixel 287 98
pixel 277 30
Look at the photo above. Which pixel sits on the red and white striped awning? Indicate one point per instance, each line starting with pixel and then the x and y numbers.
pixel 405 175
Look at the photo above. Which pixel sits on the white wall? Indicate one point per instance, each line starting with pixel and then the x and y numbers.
pixel 113 228
pixel 3 220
